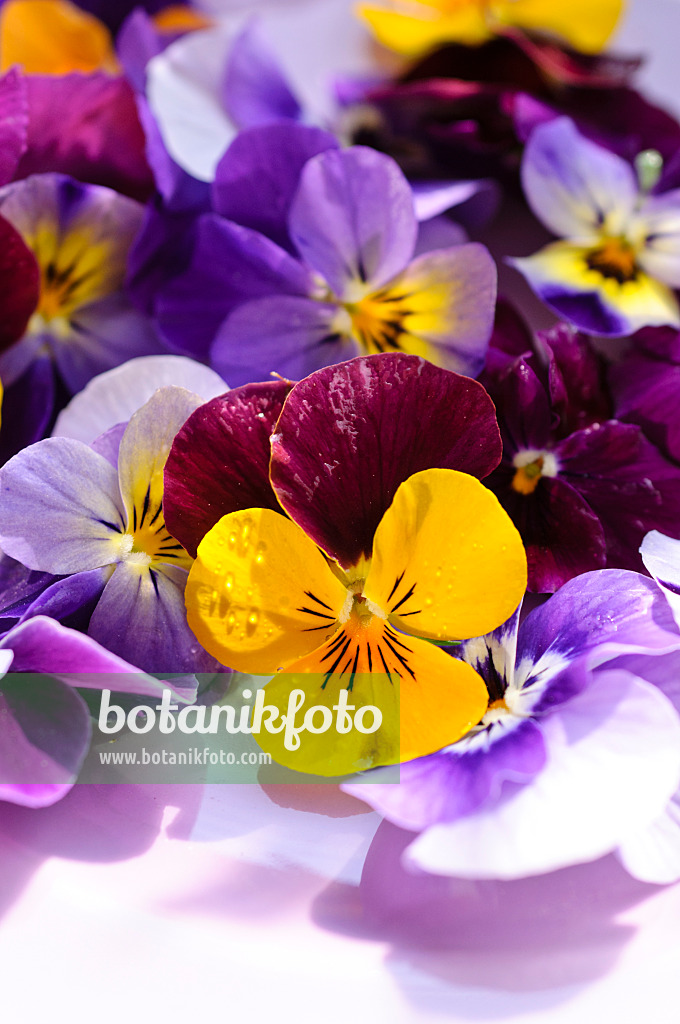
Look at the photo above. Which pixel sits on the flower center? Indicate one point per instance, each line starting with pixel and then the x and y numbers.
pixel 615 258
pixel 530 466
pixel 375 320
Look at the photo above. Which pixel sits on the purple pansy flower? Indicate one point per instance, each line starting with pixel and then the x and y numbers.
pixel 44 722
pixel 94 515
pixel 582 488
pixel 310 261
pixel 618 263
pixel 80 236
pixel 567 761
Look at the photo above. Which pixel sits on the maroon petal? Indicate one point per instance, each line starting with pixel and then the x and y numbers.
pixel 576 379
pixel 562 534
pixel 350 434
pixel 627 482
pixel 19 285
pixel 219 461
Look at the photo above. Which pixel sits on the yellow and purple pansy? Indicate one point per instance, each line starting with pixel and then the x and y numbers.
pixel 312 260
pixel 389 541
pixel 93 514
pixel 618 263
pixel 79 235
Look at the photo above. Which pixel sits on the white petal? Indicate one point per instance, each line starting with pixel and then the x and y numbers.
pixel 653 855
pixel 114 396
pixel 613 765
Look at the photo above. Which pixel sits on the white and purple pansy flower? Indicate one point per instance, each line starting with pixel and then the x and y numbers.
pixel 617 264
pixel 573 755
pixel 94 515
pixel 312 260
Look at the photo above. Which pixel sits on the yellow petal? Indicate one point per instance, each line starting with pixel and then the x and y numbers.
pixel 426 699
pixel 448 563
pixel 413 28
pixel 53 37
pixel 260 593
pixel 585 24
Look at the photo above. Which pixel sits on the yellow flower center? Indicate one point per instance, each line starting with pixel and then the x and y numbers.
pixel 615 258
pixel 147 540
pixel 377 320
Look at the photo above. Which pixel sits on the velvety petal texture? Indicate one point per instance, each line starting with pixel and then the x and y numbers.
pixel 377 420
pixel 219 461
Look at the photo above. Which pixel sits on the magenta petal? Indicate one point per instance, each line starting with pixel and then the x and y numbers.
pixel 576 379
pixel 13 123
pixel 219 461
pixel 44 737
pixel 86 126
pixel 350 434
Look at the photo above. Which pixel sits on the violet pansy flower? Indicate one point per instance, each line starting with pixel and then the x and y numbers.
pixel 618 263
pixel 311 261
pixel 568 761
pixel 95 515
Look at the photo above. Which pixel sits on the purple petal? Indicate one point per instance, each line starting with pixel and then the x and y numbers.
pixel 252 189
pixel 281 334
pixel 19 587
pixel 353 217
pixel 70 601
pixel 254 89
pixel 647 392
pixel 141 618
pixel 13 123
pixel 229 265
pixel 660 257
pixel 598 614
pixel 43 645
pixel 219 461
pixel 375 420
pixel 524 413
pixel 574 186
pixel 44 737
pixel 61 508
pixel 430 198
pixel 137 42
pixel 27 408
pixel 104 334
pixel 180 191
pixel 108 444
pixel 576 379
pixel 456 781
pixel 627 483
pixel 562 535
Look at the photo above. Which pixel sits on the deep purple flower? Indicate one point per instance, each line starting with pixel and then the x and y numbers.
pixel 581 487
pixel 645 384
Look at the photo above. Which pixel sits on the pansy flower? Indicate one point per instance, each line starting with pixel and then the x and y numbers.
pixel 412 28
pixel 95 516
pixel 573 754
pixel 389 541
pixel 310 261
pixel 618 263
pixel 80 236
pixel 581 487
